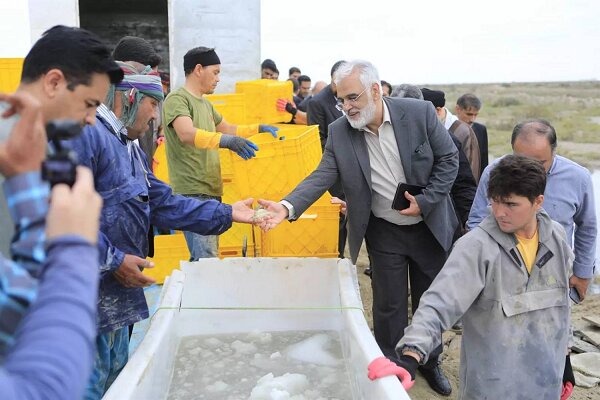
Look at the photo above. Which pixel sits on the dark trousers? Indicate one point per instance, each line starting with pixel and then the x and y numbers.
pixel 399 253
pixel 343 234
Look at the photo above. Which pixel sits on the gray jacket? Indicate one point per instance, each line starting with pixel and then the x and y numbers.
pixel 429 158
pixel 515 325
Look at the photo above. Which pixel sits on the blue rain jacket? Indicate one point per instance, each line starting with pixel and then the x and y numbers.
pixel 134 199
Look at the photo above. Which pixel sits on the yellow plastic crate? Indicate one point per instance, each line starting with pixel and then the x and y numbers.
pixel 314 234
pixel 231 106
pixel 279 165
pixel 225 156
pixel 10 74
pixel 169 250
pixel 261 100
pixel 159 163
pixel 231 242
pixel 160 167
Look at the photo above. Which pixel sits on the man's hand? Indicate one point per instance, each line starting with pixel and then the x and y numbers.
pixel 76 210
pixel 405 369
pixel 25 148
pixel 413 210
pixel 268 128
pixel 278 213
pixel 568 380
pixel 284 105
pixel 342 203
pixel 580 284
pixel 241 211
pixel 242 147
pixel 129 274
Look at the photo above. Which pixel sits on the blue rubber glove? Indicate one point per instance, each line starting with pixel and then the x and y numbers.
pixel 268 128
pixel 242 147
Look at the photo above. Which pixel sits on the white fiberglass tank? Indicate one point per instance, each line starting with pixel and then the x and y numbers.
pixel 257 328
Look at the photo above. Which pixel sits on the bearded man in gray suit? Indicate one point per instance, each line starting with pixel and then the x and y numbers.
pixel 381 143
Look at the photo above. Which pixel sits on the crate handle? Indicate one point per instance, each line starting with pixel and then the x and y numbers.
pixel 309 216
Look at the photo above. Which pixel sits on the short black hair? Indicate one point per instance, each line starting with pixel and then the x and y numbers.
pixel 336 66
pixel 517 175
pixel 133 48
pixel 269 64
pixel 303 78
pixel 294 70
pixel 535 126
pixel 77 52
pixel 389 85
pixel 468 100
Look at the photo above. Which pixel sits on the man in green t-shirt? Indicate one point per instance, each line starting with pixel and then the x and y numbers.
pixel 194 131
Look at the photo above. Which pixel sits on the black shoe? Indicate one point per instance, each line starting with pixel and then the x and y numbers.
pixel 368 271
pixel 437 380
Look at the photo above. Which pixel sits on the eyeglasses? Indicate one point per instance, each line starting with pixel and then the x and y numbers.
pixel 351 99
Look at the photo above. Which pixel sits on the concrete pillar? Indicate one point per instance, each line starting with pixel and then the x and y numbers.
pixel 232 27
pixel 45 14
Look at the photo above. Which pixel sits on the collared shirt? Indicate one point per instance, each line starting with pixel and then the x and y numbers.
pixel 27 200
pixel 386 171
pixel 568 199
pixel 450 119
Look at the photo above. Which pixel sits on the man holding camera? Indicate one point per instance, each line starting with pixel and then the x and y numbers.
pixel 68 72
pixel 52 279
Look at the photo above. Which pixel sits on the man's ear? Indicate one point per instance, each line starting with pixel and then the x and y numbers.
pixel 538 201
pixel 53 81
pixel 376 91
pixel 198 69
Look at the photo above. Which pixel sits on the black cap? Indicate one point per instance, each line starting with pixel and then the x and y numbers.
pixel 133 48
pixel 437 97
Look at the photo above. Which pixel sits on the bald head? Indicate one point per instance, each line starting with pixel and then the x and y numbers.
pixel 319 85
pixel 536 139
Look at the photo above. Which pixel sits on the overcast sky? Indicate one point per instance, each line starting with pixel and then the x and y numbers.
pixel 437 41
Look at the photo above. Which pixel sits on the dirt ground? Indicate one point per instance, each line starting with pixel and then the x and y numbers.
pixel 451 355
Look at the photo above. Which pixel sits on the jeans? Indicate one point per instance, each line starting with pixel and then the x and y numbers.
pixel 112 354
pixel 202 246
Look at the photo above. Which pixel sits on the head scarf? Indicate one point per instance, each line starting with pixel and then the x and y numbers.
pixel 134 86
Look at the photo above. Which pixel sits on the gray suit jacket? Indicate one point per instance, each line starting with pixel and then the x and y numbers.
pixel 429 158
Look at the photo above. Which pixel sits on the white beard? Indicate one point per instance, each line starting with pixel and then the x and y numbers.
pixel 365 116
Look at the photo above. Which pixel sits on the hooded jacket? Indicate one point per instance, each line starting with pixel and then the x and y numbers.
pixel 515 325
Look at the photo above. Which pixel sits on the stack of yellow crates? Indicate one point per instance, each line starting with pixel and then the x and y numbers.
pixel 280 164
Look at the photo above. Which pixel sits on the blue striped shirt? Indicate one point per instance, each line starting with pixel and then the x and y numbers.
pixel 27 200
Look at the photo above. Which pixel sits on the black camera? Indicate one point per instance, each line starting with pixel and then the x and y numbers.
pixel 60 165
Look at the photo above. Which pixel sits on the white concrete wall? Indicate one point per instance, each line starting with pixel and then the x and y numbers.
pixel 15 38
pixel 232 27
pixel 44 14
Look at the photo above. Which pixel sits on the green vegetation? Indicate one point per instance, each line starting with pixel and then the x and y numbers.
pixel 572 107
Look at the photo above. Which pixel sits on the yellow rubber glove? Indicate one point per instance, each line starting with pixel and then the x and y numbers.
pixel 207 140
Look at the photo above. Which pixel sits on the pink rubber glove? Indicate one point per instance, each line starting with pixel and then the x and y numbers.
pixel 566 391
pixel 382 366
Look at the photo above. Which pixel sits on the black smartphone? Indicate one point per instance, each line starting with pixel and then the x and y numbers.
pixel 574 295
pixel 400 202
